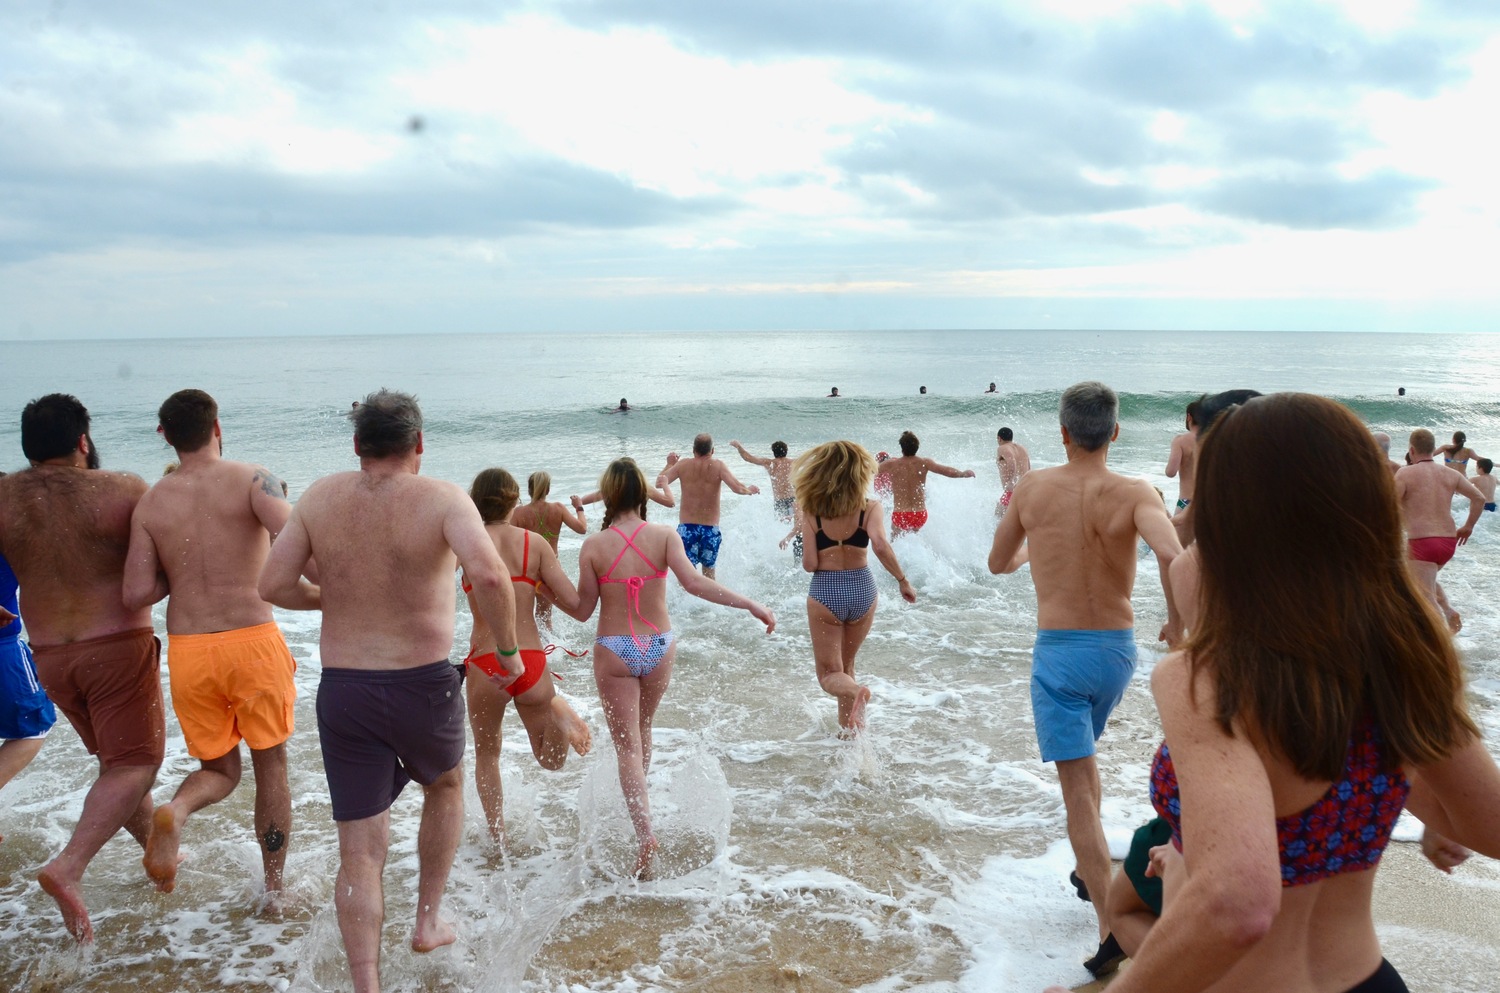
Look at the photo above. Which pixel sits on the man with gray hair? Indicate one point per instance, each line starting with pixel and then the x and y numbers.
pixel 698 519
pixel 1078 524
pixel 390 707
pixel 1383 442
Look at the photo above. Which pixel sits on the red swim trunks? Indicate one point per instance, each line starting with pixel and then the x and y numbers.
pixel 903 521
pixel 534 659
pixel 1435 550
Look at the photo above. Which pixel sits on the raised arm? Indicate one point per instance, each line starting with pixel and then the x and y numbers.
pixel 281 581
pixel 145 583
pixel 759 460
pixel 574 519
pixel 881 546
pixel 704 588
pixel 491 592
pixel 947 470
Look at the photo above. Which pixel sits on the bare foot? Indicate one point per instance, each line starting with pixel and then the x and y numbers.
pixel 438 934
pixel 857 712
pixel 643 861
pixel 578 734
pixel 70 902
pixel 162 857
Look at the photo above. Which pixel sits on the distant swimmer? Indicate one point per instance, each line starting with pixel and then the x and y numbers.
pixel 1013 462
pixel 386 539
pixel 922 391
pixel 1456 455
pixel 780 469
pixel 26 715
pixel 551 724
pixel 832 480
pixel 834 393
pixel 64 529
pixel 1426 491
pixel 907 477
pixel 1078 524
pixel 622 570
pixel 546 518
pixel 201 535
pixel 1183 456
pixel 623 408
pixel 698 518
pixel 1485 482
pixel 992 389
pixel 1401 391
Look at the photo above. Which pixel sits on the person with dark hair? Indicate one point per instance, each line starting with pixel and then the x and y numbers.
pixel 1180 458
pixel 633 653
pixel 992 389
pixel 1078 525
pixel 1296 729
pixel 97 658
pixel 1457 454
pixel 1426 491
pixel 698 518
pixel 907 477
pixel 1484 481
pixel 1013 461
pixel 546 518
pixel 834 392
pixel 387 538
pixel 780 469
pixel 623 408
pixel 1209 409
pixel 551 725
pixel 202 534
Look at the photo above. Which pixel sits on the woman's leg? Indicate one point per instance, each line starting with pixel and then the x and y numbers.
pixel 629 706
pixel 834 646
pixel 552 725
pixel 486 709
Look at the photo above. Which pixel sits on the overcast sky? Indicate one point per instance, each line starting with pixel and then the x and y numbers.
pixel 329 166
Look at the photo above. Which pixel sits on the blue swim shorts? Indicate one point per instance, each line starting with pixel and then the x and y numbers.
pixel 702 543
pixel 1077 679
pixel 25 711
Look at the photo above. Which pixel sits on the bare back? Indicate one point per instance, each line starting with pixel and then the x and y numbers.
pixel 539 517
pixel 598 559
pixel 908 475
pixel 1426 491
pixel 1181 463
pixel 385 566
pixel 522 556
pixel 210 526
pixel 780 470
pixel 1080 521
pixel 65 531
pixel 701 477
pixel 1013 462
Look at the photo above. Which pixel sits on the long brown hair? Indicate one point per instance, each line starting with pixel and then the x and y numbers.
pixel 623 489
pixel 1310 620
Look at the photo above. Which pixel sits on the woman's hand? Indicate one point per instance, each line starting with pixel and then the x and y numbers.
pixel 1443 852
pixel 1166 860
pixel 764 615
pixel 908 592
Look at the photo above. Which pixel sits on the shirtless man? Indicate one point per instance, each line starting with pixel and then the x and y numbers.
pixel 1184 456
pixel 698 518
pixel 780 468
pixel 1078 524
pixel 1426 491
pixel 1383 442
pixel 908 481
pixel 1013 461
pixel 202 534
pixel 64 528
pixel 386 540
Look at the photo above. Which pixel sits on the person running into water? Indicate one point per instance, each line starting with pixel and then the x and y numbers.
pixel 831 481
pixel 698 517
pixel 202 535
pixel 64 529
pixel 623 570
pixel 1484 482
pixel 26 715
pixel 386 539
pixel 780 469
pixel 1180 459
pixel 550 723
pixel 907 477
pixel 1456 455
pixel 1426 491
pixel 546 518
pixel 1013 461
pixel 1296 728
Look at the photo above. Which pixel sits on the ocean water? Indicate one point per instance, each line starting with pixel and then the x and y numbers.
pixel 929 854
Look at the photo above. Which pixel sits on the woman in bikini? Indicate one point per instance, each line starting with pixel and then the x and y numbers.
pixel 550 723
pixel 546 518
pixel 1457 455
pixel 1319 693
pixel 623 568
pixel 841 525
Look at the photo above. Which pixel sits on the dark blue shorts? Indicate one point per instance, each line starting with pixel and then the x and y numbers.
pixel 25 711
pixel 702 543
pixel 381 729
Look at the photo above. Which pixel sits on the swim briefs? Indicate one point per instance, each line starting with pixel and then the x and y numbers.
pixel 229 685
pixel 25 711
pixel 1490 507
pixel 1435 550
pixel 109 688
pixel 1383 980
pixel 534 659
pixel 906 521
pixel 702 543
pixel 382 728
pixel 1154 832
pixel 1077 679
pixel 786 508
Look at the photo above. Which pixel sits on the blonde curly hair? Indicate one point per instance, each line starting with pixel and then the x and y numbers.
pixel 832 479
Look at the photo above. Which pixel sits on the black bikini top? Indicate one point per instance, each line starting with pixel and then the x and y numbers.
pixel 859 539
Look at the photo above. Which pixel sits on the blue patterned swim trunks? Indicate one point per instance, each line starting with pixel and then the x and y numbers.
pixel 702 543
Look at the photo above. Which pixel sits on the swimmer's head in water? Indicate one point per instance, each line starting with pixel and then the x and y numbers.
pixel 831 479
pixel 909 443
pixel 624 404
pixel 494 492
pixel 922 389
pixel 1005 434
pixel 623 489
pixel 51 427
pixel 187 419
pixel 703 444
pixel 778 449
pixel 538 485
pixel 1422 442
pixel 1285 546
pixel 387 423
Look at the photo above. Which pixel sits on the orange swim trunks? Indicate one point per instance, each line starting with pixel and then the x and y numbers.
pixel 231 685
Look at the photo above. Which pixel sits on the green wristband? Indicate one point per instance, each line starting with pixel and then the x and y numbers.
pixel 508 654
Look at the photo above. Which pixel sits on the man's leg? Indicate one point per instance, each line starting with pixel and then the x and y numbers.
pixel 15 755
pixel 359 896
pixel 214 780
pixel 120 797
pixel 1081 796
pixel 273 812
pixel 437 842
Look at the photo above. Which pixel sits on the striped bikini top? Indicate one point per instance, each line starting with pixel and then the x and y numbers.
pixel 1345 830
